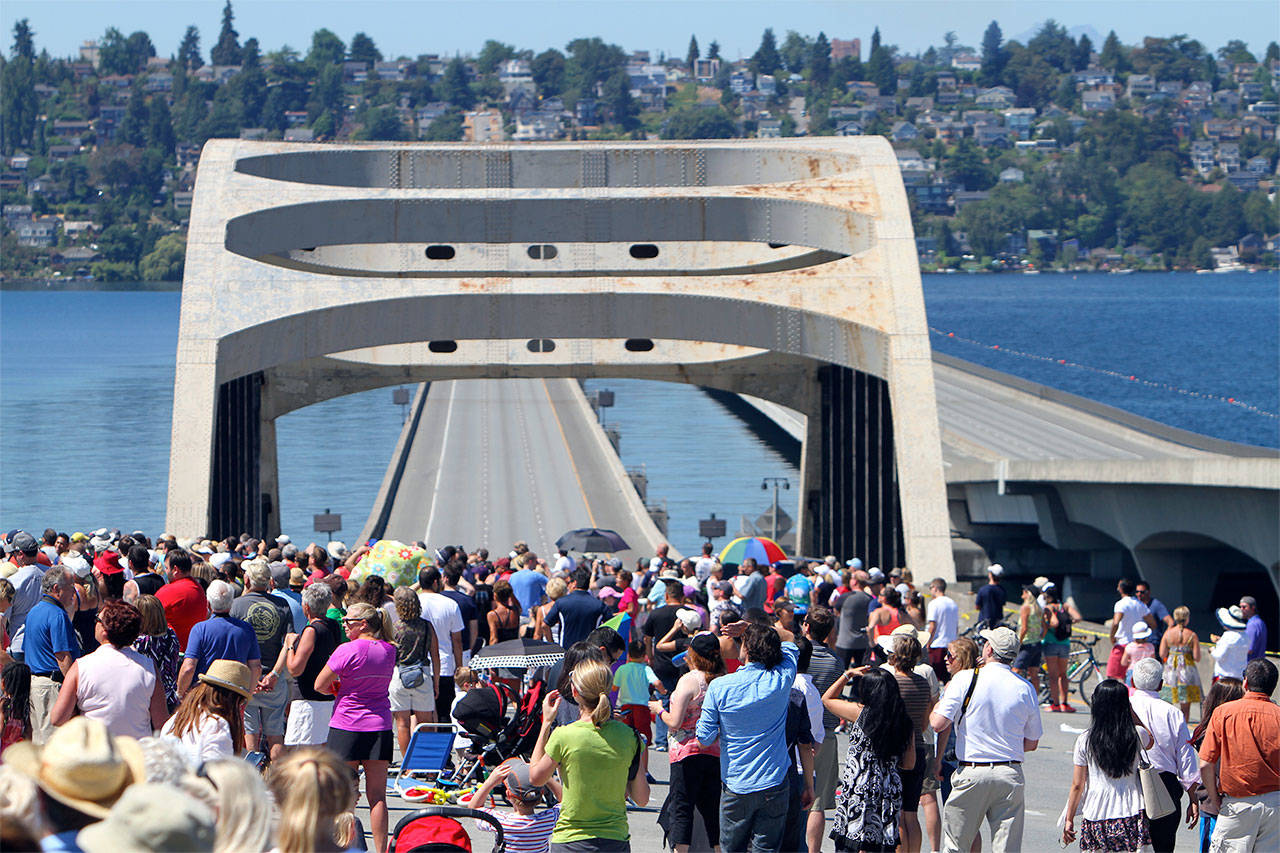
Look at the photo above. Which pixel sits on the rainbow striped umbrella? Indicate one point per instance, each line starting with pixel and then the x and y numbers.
pixel 760 548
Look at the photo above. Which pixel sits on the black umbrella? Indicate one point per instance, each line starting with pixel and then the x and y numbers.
pixel 520 653
pixel 593 540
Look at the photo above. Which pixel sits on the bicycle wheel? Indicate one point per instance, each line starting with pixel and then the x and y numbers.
pixel 1082 670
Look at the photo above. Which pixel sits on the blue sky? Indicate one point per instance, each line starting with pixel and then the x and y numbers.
pixel 412 27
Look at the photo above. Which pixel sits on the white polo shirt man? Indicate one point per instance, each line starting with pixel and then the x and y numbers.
pixel 1000 725
pixel 943 623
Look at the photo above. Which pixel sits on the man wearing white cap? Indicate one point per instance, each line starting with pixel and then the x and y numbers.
pixel 990 600
pixel 997 719
pixel 1231 650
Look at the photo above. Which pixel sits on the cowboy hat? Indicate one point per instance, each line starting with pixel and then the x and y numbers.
pixel 231 675
pixel 82 765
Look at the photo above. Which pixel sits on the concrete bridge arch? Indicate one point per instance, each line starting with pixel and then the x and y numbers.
pixel 801 252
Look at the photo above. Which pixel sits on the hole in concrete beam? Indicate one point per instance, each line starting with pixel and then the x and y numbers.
pixel 542 252
pixel 644 251
pixel 638 344
pixel 777 245
pixel 440 253
pixel 540 345
pixel 443 346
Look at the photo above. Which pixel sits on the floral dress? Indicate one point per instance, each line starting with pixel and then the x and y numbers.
pixel 164 651
pixel 1181 678
pixel 869 799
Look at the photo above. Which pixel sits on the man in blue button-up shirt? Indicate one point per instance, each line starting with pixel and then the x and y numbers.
pixel 747 711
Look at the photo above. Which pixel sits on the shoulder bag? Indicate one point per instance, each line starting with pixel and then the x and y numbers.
pixel 1155 796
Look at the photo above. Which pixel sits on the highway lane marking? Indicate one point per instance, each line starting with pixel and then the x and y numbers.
pixel 444 441
pixel 568 450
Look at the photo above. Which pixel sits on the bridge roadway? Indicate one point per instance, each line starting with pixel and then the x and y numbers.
pixel 496 461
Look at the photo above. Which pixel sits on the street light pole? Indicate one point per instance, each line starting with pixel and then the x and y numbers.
pixel 778 482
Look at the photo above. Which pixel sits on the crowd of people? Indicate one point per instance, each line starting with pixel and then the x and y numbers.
pixel 242 694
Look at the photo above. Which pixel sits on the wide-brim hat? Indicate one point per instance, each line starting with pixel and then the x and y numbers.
pixel 1142 631
pixel 152 817
pixel 232 675
pixel 886 642
pixel 1231 617
pixel 82 766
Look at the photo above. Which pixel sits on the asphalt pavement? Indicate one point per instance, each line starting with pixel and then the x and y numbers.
pixel 496 461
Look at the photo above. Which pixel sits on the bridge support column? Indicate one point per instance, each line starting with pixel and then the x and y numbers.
pixel 858 508
pixel 235 500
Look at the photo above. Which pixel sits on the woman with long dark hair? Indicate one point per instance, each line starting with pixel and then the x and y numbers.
pixel 15 704
pixel 695 769
pixel 881 740
pixel 1106 762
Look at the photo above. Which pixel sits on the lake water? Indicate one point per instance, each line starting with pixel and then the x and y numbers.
pixel 86 387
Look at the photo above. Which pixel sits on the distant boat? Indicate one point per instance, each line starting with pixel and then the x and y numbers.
pixel 1121 272
pixel 1031 272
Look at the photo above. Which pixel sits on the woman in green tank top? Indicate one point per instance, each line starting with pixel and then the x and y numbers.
pixel 1030 633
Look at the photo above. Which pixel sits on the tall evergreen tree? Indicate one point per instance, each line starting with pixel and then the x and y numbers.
pixel 23 41
pixel 1112 56
pixel 692 55
pixel 160 127
pixel 875 40
pixel 713 51
pixel 820 61
pixel 1083 54
pixel 993 55
pixel 189 50
pixel 326 49
pixel 364 50
pixel 227 50
pixel 766 60
pixel 1273 52
pixel 133 127
pixel 454 86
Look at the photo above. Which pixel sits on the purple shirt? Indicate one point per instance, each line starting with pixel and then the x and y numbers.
pixel 364 670
pixel 1255 631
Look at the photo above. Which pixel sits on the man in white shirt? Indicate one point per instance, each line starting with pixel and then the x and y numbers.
pixel 943 625
pixel 1129 611
pixel 1171 753
pixel 997 722
pixel 564 564
pixel 445 617
pixel 702 568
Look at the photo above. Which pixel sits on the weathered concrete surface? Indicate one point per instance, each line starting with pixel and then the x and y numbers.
pixel 802 249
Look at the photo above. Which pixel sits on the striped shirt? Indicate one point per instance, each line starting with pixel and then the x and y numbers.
pixel 916 696
pixel 824 669
pixel 524 833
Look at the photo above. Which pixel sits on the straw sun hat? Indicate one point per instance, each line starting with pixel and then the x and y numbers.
pixel 231 675
pixel 82 765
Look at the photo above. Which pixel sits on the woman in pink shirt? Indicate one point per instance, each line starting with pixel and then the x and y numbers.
pixel 359 675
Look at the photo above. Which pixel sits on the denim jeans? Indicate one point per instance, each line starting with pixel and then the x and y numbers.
pixel 753 822
pixel 659 727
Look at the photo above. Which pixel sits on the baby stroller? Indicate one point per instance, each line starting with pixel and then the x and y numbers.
pixel 501 726
pixel 437 830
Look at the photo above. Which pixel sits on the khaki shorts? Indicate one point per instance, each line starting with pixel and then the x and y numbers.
pixel 44 692
pixel 1247 823
pixel 826 772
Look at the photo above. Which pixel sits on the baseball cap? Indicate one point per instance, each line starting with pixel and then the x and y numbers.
pixel 520 784
pixel 855 563
pixel 875 575
pixel 996 569
pixel 705 645
pixel 24 542
pixel 689 618
pixel 1003 642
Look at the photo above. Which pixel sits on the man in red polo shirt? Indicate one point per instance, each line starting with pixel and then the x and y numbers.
pixel 1240 766
pixel 182 597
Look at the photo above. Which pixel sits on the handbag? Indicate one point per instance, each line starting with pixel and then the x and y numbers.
pixel 1155 796
pixel 412 675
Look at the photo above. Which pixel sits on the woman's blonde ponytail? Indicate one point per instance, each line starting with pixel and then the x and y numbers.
pixel 593 680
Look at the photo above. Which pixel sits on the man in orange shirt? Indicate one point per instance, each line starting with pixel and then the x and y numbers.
pixel 1240 766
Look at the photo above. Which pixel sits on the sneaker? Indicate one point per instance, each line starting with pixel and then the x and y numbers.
pixel 1055 708
pixel 1067 709
pixel 660 747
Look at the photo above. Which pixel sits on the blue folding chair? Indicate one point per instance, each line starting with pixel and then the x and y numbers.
pixel 427 757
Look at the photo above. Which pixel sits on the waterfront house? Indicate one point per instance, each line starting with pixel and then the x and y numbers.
pixel 1229 157
pixel 1011 175
pixel 40 233
pixel 1098 100
pixel 1202 156
pixel 966 62
pixel 769 128
pixel 1140 84
pixel 1259 165
pixel 904 131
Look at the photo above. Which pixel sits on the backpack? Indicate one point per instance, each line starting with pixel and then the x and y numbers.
pixel 1063 630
